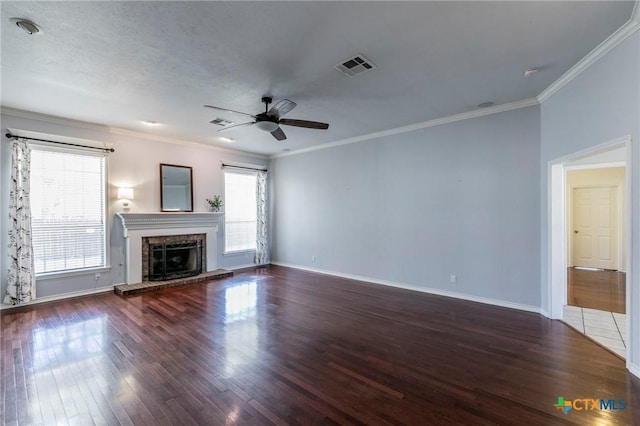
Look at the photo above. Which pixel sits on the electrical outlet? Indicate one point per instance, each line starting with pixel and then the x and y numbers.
pixel 453 279
pixel 313 258
pixel 97 276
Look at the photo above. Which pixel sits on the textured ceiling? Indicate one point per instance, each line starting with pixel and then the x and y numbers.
pixel 120 63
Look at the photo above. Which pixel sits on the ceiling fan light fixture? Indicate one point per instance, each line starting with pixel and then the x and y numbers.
pixel 267 126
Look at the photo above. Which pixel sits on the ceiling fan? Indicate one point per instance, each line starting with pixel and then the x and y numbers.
pixel 270 121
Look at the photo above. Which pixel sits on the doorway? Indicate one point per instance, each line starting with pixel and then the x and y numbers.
pixel 596 237
pixel 606 252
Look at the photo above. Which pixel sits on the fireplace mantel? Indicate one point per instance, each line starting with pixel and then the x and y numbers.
pixel 137 221
pixel 135 226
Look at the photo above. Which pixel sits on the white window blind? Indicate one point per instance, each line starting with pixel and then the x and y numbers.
pixel 67 210
pixel 241 211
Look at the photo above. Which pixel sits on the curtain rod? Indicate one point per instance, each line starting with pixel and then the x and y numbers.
pixel 241 167
pixel 10 136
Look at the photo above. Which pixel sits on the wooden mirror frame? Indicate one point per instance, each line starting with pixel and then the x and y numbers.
pixel 188 204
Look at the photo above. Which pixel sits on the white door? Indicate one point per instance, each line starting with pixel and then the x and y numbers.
pixel 595 228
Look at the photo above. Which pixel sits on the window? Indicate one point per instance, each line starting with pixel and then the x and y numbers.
pixel 67 210
pixel 241 211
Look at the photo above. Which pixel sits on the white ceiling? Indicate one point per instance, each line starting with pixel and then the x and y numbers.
pixel 120 63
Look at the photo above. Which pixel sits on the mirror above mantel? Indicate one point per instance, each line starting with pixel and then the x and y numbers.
pixel 176 188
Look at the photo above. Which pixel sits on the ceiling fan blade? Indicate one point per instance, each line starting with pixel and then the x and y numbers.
pixel 224 129
pixel 304 123
pixel 279 134
pixel 229 110
pixel 281 108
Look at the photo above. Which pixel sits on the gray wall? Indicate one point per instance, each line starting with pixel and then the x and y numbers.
pixel 600 105
pixel 412 209
pixel 136 164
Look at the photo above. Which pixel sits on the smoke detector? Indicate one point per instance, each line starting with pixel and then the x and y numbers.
pixel 26 26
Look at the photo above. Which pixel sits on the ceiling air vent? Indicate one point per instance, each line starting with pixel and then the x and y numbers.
pixel 221 122
pixel 356 65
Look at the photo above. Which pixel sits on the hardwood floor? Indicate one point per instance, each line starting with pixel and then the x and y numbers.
pixel 602 290
pixel 281 346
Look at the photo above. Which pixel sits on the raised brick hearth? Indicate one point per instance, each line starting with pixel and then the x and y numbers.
pixel 143 287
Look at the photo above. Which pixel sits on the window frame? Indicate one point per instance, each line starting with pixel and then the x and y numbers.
pixel 106 266
pixel 239 171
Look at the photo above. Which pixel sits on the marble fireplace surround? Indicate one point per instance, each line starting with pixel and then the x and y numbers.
pixel 138 225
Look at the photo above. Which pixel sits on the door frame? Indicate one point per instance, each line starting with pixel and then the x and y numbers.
pixel 557 232
pixel 619 212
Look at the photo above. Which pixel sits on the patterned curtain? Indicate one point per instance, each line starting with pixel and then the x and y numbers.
pixel 21 286
pixel 262 244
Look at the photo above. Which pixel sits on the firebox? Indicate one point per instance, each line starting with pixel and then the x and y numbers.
pixel 168 261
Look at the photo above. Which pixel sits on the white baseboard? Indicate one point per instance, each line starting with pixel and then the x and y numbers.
pixel 439 292
pixel 633 369
pixel 235 268
pixel 60 297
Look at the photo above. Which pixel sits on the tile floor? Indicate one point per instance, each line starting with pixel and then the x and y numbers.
pixel 606 328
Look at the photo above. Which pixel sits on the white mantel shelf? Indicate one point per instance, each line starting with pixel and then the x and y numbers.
pixel 137 221
pixel 136 226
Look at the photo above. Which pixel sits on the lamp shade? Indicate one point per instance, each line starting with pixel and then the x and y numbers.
pixel 125 193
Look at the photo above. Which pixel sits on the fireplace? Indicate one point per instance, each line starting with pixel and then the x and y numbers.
pixel 167 257
pixel 175 260
pixel 142 229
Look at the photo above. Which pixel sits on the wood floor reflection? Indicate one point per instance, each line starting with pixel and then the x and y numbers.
pixel 602 290
pixel 281 346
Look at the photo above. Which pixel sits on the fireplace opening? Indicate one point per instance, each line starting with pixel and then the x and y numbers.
pixel 168 261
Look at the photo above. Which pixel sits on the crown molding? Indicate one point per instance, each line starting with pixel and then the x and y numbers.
pixel 200 145
pixel 417 126
pixel 20 113
pixel 620 35
pixel 120 131
pixel 21 133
